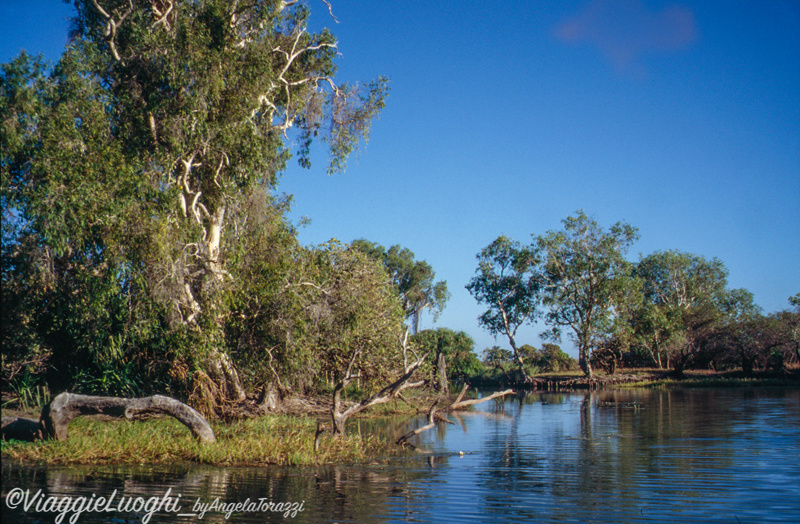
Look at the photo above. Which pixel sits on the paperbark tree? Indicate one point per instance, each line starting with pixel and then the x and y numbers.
pixel 672 283
pixel 586 275
pixel 509 284
pixel 177 110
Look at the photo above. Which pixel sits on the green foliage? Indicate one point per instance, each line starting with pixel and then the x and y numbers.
pixel 140 246
pixel 671 309
pixel 509 285
pixel 356 313
pixel 587 280
pixel 458 348
pixel 28 392
pixel 310 310
pixel 553 359
pixel 684 309
pixel 498 359
pixel 413 279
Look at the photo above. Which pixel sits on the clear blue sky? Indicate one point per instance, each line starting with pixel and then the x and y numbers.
pixel 681 118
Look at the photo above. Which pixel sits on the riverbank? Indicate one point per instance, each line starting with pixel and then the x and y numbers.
pixel 266 440
pixel 288 438
pixel 649 378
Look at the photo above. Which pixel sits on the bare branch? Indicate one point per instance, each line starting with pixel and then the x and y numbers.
pixel 111 27
pixel 464 403
pixel 430 425
pixel 330 10
pixel 162 16
pixel 460 395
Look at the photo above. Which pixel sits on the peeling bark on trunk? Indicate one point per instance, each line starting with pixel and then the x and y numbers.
pixel 223 372
pixel 441 375
pixel 510 334
pixel 270 397
pixel 583 361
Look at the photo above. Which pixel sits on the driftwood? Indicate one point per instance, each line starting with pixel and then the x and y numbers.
pixel 457 404
pixel 402 441
pixel 461 404
pixel 56 416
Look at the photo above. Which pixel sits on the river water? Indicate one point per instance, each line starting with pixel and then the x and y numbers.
pixel 695 455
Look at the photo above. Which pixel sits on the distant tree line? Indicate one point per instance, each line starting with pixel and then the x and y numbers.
pixel 668 310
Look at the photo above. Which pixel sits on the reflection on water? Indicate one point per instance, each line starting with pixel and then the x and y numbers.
pixel 608 456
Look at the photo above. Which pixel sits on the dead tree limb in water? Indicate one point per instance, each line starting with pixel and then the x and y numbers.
pixel 66 407
pixel 460 395
pixel 386 394
pixel 461 404
pixel 402 441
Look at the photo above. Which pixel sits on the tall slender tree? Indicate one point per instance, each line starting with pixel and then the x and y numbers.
pixel 413 279
pixel 508 284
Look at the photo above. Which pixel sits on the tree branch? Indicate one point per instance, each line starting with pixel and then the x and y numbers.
pixel 402 441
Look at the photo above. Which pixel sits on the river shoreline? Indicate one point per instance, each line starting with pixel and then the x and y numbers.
pixel 648 378
pixel 288 437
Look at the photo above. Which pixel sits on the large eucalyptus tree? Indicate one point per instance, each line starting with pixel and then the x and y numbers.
pixel 673 283
pixel 161 116
pixel 587 278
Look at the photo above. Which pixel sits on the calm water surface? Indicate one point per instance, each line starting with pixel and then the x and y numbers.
pixel 626 456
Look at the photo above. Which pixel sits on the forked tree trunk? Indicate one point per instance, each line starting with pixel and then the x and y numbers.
pixel 339 417
pixel 386 394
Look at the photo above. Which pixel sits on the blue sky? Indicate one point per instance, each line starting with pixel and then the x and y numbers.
pixel 680 118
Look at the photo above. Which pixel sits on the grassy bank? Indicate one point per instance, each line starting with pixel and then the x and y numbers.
pixel 648 378
pixel 712 379
pixel 268 440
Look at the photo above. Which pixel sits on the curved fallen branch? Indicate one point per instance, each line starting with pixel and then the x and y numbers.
pixel 461 404
pixel 402 441
pixel 56 416
pixel 457 404
pixel 384 395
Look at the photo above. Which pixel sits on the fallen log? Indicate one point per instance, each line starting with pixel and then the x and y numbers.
pixel 461 404
pixel 57 415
